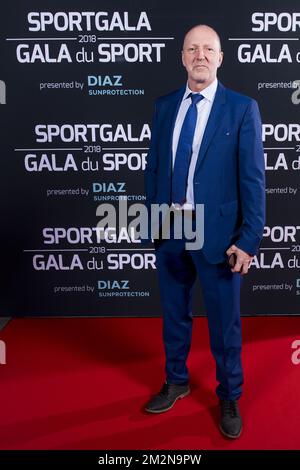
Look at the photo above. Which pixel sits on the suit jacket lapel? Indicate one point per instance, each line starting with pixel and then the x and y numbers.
pixel 215 117
pixel 170 119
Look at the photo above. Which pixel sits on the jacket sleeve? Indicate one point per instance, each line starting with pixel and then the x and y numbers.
pixel 251 180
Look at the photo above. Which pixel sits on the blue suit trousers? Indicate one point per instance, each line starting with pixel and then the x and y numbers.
pixel 177 270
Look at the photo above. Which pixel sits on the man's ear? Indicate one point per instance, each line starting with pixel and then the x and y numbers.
pixel 182 58
pixel 221 58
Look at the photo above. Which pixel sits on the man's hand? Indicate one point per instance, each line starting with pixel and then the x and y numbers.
pixel 243 260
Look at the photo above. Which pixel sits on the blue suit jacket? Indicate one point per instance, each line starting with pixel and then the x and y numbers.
pixel 229 176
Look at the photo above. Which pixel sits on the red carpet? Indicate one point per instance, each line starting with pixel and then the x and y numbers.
pixel 82 383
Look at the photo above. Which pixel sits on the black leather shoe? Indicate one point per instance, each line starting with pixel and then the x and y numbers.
pixel 231 421
pixel 167 397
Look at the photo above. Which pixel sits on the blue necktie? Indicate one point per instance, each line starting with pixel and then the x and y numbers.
pixel 184 151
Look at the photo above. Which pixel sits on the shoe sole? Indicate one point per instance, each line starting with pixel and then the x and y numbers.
pixel 169 407
pixel 230 436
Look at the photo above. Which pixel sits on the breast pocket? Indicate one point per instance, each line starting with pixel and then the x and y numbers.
pixel 223 136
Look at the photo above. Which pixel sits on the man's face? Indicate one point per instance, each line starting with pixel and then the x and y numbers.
pixel 201 56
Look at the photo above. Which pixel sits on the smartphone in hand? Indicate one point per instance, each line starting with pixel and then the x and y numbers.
pixel 232 260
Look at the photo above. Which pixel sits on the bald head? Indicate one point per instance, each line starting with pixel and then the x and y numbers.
pixel 204 28
pixel 201 56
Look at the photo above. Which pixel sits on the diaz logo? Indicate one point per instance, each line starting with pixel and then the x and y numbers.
pixel 2 92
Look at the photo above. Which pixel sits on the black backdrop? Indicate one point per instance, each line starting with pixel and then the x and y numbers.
pixel 71 140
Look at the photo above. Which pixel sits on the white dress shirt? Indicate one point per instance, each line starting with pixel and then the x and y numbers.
pixel 204 108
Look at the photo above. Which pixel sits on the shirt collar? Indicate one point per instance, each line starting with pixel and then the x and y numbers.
pixel 208 92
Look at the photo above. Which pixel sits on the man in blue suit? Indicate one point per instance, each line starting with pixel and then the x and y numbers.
pixel 206 148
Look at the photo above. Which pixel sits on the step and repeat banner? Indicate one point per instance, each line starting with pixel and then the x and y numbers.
pixel 77 85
